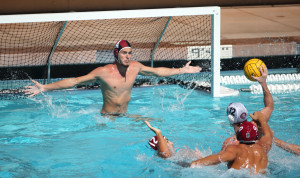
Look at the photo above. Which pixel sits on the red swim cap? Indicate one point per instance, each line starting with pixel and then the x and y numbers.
pixel 247 133
pixel 153 142
pixel 119 46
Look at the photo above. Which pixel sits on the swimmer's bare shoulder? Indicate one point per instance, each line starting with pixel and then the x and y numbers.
pixel 229 141
pixel 106 68
pixel 103 71
pixel 136 64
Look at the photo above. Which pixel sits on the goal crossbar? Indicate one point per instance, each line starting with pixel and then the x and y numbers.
pixel 118 14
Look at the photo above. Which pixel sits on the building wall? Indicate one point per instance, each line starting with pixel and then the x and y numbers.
pixel 52 6
pixel 271 49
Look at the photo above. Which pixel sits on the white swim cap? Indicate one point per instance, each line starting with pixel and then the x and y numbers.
pixel 236 113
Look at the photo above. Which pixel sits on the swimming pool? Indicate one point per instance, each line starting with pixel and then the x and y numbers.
pixel 62 134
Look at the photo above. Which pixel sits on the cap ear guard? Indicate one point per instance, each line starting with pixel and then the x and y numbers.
pixel 231 119
pixel 231 113
pixel 116 54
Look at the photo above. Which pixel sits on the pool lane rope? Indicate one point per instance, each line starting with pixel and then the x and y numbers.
pixel 286 83
pixel 241 79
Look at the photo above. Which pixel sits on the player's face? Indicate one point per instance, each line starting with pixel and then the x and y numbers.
pixel 125 56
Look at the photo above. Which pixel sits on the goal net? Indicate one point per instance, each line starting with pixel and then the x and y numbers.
pixel 48 47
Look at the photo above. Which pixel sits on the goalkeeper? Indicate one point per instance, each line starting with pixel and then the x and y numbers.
pixel 116 80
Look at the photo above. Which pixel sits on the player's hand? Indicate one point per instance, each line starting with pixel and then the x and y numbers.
pixel 264 74
pixel 198 153
pixel 194 164
pixel 257 116
pixel 190 69
pixel 155 130
pixel 34 90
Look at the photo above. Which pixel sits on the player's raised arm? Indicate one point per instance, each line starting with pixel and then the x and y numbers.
pixel 162 146
pixel 268 99
pixel 163 71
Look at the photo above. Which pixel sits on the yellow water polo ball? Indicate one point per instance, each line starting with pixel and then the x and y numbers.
pixel 251 68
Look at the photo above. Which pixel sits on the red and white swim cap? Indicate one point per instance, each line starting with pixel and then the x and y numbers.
pixel 153 142
pixel 122 44
pixel 247 133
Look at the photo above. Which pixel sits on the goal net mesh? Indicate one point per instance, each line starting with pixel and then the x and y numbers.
pixel 74 48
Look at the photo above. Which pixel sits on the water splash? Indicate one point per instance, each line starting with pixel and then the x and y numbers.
pixel 56 110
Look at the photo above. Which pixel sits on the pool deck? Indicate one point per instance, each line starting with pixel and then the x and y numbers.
pixel 254 24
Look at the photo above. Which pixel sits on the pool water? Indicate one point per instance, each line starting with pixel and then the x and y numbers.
pixel 62 134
